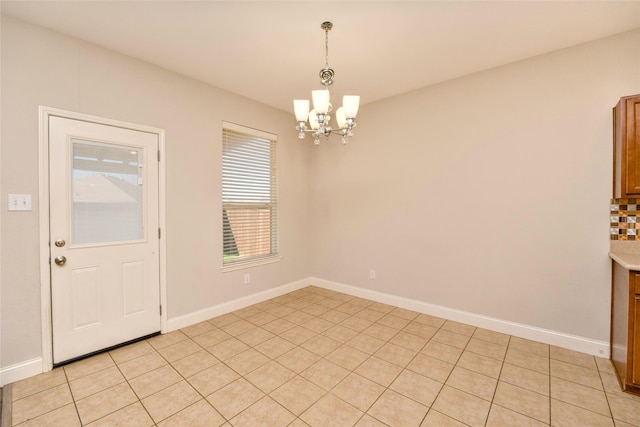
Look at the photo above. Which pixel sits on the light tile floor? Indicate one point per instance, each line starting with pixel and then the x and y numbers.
pixel 321 358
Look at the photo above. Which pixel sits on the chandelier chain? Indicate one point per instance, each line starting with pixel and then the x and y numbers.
pixel 326 26
pixel 326 47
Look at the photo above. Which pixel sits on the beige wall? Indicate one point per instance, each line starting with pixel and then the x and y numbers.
pixel 40 67
pixel 487 194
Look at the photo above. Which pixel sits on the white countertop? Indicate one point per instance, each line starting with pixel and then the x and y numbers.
pixel 627 260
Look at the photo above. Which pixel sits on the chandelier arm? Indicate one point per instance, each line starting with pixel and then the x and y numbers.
pixel 326 131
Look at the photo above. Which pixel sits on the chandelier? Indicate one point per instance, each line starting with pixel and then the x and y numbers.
pixel 319 116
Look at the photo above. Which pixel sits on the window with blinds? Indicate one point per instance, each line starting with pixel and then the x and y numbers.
pixel 249 196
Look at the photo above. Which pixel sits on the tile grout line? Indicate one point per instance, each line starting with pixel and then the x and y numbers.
pixel 126 380
pixel 73 398
pixel 129 383
pixel 386 388
pixel 296 373
pixel 7 406
pixel 328 392
pixel 9 395
pixel 603 390
pixel 449 375
pixel 445 381
pixel 189 383
pixel 493 396
pixel 606 395
pixel 550 415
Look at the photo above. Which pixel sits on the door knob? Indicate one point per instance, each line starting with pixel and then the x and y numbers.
pixel 60 260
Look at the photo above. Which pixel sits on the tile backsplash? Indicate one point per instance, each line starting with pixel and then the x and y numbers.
pixel 624 222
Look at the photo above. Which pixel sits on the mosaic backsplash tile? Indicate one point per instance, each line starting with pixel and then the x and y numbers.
pixel 624 220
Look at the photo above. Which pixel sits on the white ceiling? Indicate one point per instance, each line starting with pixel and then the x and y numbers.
pixel 272 51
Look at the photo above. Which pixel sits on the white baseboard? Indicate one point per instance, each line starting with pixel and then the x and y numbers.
pixel 20 371
pixel 227 307
pixel 560 339
pixel 33 367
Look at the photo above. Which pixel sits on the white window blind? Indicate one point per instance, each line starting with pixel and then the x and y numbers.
pixel 249 195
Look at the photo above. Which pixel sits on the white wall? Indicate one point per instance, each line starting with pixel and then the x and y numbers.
pixel 487 194
pixel 40 67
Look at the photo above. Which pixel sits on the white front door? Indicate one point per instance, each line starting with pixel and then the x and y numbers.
pixel 103 195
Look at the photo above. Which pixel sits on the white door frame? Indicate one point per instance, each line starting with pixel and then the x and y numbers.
pixel 43 212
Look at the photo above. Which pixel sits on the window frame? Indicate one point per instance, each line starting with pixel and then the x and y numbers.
pixel 272 204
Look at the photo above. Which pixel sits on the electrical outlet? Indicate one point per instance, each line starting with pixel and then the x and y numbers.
pixel 247 279
pixel 372 274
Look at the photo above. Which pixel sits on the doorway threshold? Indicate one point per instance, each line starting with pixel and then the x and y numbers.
pixel 104 350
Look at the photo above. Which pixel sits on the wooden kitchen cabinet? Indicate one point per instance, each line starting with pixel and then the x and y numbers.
pixel 635 353
pixel 626 147
pixel 625 327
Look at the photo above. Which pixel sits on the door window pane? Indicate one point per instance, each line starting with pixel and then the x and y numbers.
pixel 107 193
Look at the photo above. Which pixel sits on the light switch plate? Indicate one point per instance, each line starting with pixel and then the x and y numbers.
pixel 19 202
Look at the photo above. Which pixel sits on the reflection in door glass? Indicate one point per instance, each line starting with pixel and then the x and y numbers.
pixel 107 193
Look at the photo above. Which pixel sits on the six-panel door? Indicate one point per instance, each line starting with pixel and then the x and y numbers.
pixel 104 236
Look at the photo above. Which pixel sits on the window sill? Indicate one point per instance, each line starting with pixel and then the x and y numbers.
pixel 251 263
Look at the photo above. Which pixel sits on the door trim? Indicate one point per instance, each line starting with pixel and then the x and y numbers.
pixel 43 213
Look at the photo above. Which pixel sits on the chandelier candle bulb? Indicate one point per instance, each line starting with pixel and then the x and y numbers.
pixel 301 108
pixel 341 118
pixel 320 101
pixel 351 104
pixel 313 120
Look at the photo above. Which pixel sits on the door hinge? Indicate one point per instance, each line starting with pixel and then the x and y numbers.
pixel 159 233
pixel 158 155
pixel 160 309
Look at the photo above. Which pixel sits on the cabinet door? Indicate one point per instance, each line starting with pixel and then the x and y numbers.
pixel 635 345
pixel 631 120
